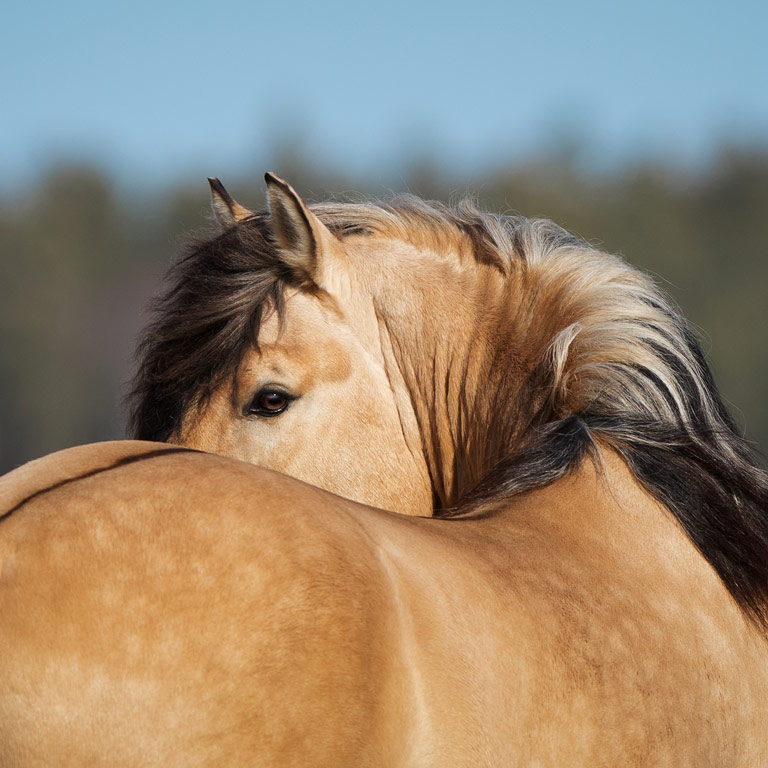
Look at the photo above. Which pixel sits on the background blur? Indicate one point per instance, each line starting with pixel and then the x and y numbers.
pixel 642 127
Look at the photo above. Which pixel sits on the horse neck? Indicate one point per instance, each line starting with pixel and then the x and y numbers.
pixel 476 376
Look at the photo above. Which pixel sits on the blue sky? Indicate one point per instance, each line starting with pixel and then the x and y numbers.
pixel 167 91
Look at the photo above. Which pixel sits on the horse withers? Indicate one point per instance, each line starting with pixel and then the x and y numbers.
pixel 520 528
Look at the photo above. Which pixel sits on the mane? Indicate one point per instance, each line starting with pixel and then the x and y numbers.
pixel 621 367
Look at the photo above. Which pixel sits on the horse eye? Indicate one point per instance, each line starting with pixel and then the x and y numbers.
pixel 269 402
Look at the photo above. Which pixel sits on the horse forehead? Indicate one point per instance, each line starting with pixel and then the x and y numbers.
pixel 380 271
pixel 305 319
pixel 311 335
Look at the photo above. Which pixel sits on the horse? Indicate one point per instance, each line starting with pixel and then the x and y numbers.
pixel 412 485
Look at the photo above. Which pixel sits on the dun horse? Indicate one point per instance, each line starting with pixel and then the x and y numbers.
pixel 579 575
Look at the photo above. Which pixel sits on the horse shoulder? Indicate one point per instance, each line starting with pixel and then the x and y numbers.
pixel 187 593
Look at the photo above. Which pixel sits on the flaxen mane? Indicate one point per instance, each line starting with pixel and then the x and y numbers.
pixel 621 367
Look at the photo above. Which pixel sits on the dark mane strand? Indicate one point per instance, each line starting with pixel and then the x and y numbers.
pixel 216 296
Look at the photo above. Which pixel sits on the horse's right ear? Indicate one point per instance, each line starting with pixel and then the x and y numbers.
pixel 304 240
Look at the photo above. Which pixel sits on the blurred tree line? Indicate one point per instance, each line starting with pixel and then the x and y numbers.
pixel 79 263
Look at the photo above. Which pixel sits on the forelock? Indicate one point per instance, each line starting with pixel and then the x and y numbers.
pixel 215 296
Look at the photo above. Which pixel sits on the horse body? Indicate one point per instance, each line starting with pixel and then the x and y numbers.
pixel 579 575
pixel 175 610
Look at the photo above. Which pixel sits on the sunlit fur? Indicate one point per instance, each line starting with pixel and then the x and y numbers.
pixel 562 346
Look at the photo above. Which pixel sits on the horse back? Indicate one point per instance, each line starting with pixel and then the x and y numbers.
pixel 175 608
pixel 168 607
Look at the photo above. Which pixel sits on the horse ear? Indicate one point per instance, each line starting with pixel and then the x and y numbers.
pixel 226 210
pixel 302 237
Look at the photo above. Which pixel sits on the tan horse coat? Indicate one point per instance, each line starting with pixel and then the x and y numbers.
pixel 190 610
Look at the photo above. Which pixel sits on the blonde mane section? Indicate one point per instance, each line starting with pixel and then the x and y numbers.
pixel 622 344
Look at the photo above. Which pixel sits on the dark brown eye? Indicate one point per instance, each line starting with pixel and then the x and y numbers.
pixel 269 402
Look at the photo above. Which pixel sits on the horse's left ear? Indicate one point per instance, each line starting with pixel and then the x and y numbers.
pixel 303 239
pixel 226 210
